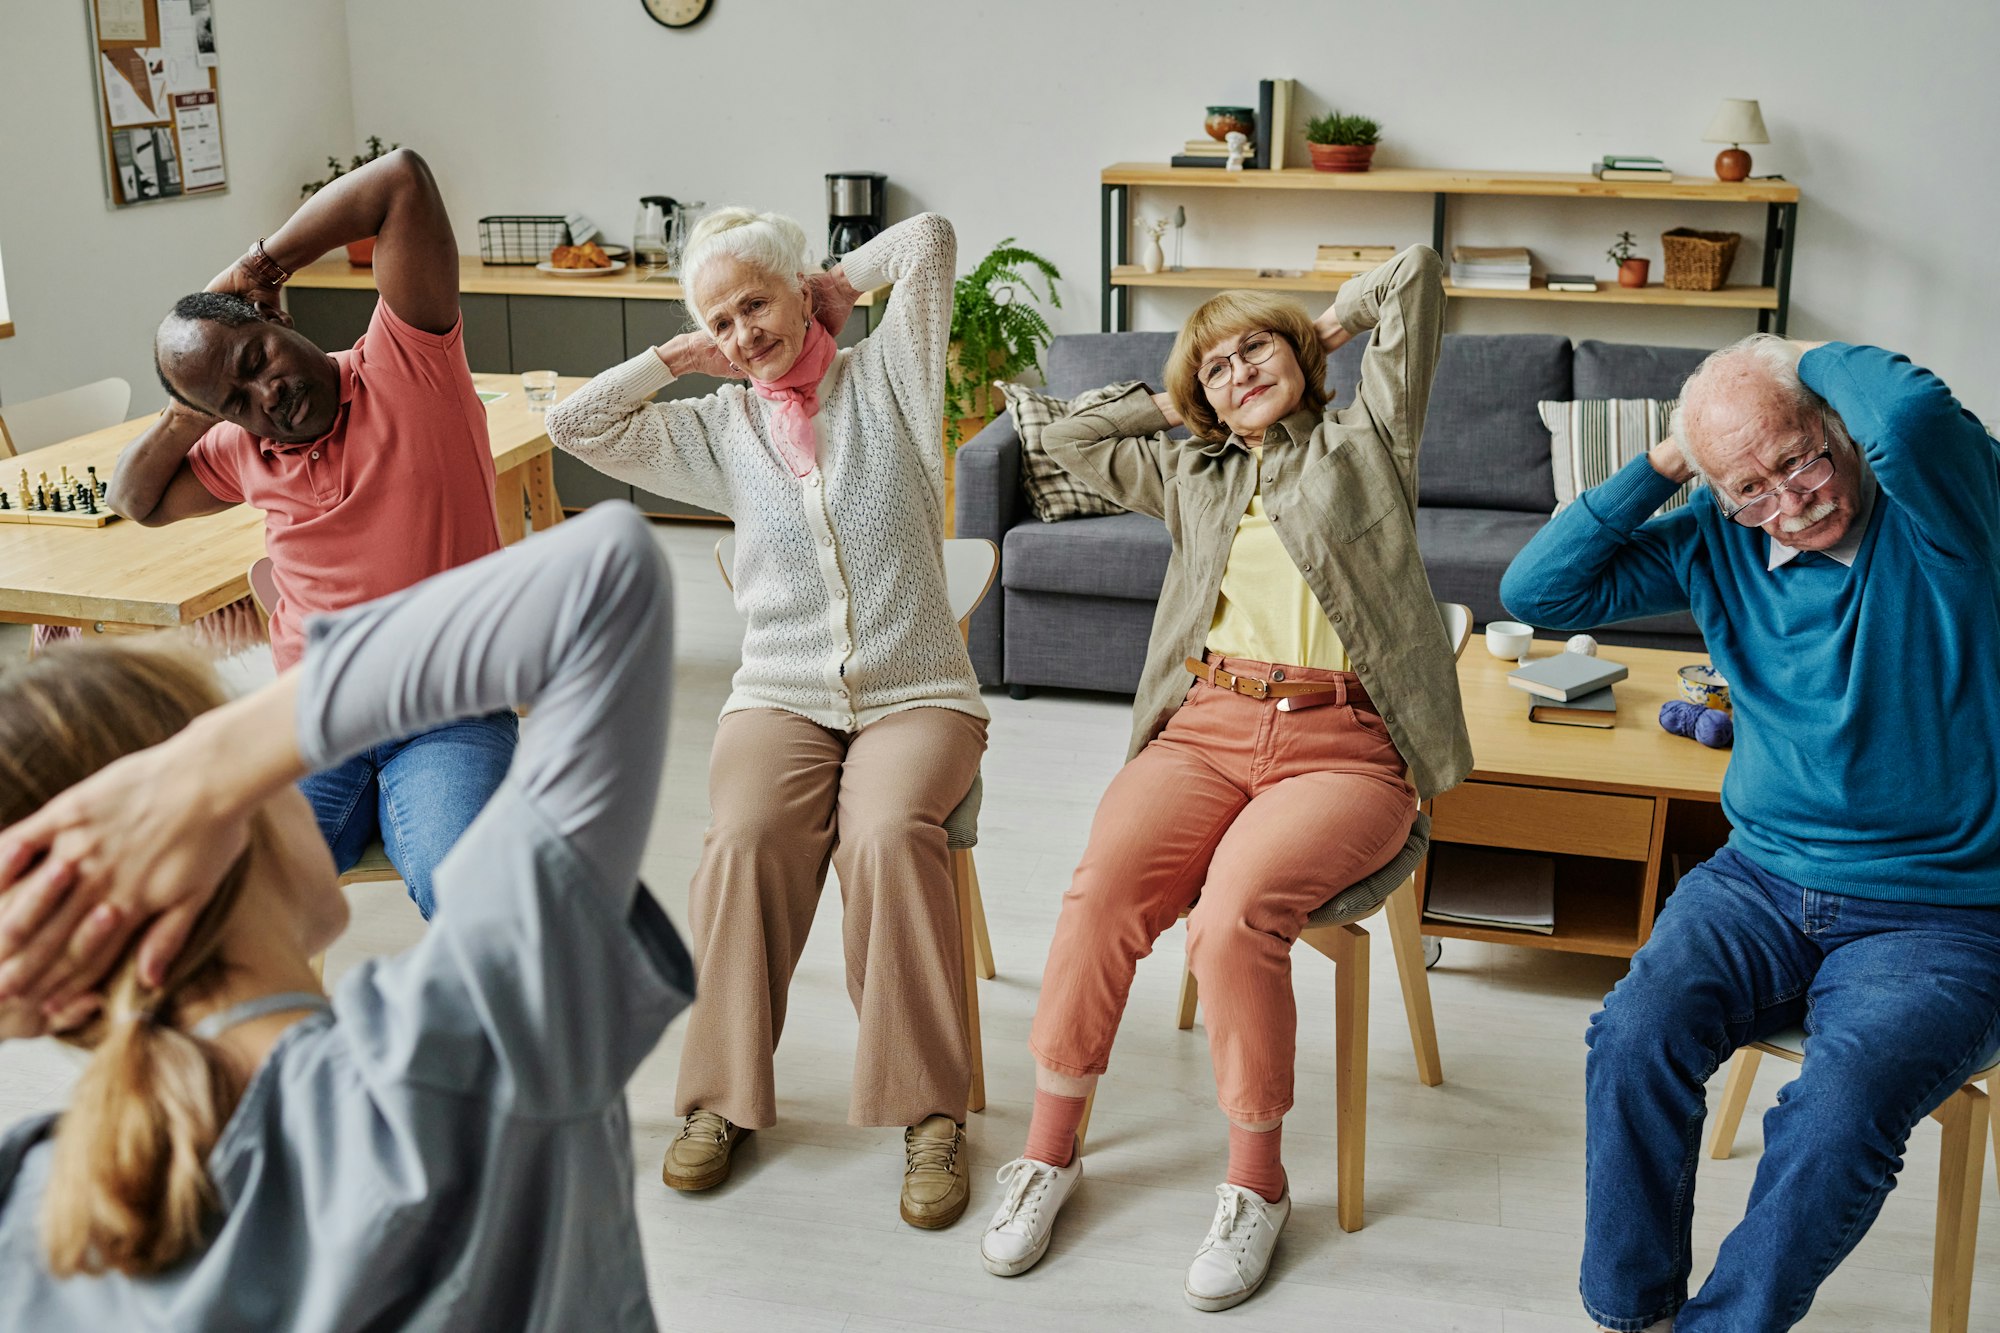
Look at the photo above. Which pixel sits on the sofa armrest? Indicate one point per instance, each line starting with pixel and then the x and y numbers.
pixel 989 502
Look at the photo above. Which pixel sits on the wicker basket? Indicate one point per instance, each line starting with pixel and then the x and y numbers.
pixel 1698 261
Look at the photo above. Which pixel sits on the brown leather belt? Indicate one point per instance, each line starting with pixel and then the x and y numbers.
pixel 1277 687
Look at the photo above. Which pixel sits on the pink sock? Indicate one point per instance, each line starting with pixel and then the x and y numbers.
pixel 1052 1130
pixel 1255 1161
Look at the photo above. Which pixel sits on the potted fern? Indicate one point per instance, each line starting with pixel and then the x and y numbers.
pixel 361 254
pixel 1342 143
pixel 996 333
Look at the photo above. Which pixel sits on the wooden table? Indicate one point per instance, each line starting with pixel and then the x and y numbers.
pixel 124 577
pixel 1616 808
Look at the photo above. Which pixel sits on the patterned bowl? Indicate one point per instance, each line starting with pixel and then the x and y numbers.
pixel 1703 684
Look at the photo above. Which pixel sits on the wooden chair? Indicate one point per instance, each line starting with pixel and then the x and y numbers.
pixel 25 427
pixel 1967 1120
pixel 969 566
pixel 1334 929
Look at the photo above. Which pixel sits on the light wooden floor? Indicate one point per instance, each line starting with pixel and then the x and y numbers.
pixel 1474 1188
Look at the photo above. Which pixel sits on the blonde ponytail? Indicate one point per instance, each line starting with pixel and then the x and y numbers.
pixel 129 1189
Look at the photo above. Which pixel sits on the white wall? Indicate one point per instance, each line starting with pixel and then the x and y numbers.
pixel 87 284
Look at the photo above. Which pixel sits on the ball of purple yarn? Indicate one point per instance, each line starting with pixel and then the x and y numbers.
pixel 1710 726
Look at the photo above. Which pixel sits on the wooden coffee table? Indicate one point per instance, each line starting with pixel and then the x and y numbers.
pixel 1617 808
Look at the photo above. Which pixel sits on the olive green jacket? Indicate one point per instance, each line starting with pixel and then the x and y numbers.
pixel 1341 492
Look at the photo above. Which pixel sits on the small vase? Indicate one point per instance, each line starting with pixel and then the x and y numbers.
pixel 1152 258
pixel 1222 119
pixel 1632 272
pixel 361 254
pixel 1342 156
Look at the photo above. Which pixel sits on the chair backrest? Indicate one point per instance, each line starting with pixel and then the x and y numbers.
pixel 66 415
pixel 1457 619
pixel 969 566
pixel 263 588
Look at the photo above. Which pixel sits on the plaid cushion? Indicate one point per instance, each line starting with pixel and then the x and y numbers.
pixel 1591 438
pixel 1054 493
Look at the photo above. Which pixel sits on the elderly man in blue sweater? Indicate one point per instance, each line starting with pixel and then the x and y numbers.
pixel 1847 579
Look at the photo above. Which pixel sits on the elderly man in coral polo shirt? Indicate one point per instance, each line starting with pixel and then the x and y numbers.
pixel 372 468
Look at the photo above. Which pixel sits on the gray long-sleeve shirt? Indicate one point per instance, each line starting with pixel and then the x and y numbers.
pixel 449 1148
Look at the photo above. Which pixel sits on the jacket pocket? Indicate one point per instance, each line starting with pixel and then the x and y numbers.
pixel 1354 488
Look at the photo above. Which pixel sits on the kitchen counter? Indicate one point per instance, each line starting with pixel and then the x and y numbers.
pixel 476 278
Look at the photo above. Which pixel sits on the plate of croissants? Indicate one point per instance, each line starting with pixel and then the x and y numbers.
pixel 580 261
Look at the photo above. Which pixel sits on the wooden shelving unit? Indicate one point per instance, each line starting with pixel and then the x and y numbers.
pixel 1770 298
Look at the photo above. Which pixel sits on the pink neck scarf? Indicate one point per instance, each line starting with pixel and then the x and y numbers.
pixel 796 395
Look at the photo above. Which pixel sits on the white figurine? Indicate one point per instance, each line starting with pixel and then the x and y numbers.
pixel 1581 643
pixel 1239 149
pixel 1153 258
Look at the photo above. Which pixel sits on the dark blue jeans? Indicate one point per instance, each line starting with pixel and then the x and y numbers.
pixel 1900 1001
pixel 416 795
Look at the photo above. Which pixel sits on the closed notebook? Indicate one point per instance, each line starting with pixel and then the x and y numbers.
pixel 1598 709
pixel 1566 676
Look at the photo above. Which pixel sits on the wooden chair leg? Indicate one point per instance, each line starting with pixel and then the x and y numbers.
pixel 961 879
pixel 1406 940
pixel 1083 1125
pixel 982 943
pixel 1350 1020
pixel 1190 999
pixel 1735 1093
pixel 1961 1173
pixel 1994 1120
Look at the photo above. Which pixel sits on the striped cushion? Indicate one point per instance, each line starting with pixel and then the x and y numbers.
pixel 1054 493
pixel 1591 438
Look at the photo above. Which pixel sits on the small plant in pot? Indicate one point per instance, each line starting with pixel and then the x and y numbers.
pixel 1342 143
pixel 1631 268
pixel 361 254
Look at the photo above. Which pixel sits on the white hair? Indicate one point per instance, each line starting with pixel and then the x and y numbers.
pixel 768 242
pixel 1775 360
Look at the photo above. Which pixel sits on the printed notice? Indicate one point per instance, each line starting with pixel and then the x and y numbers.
pixel 121 20
pixel 135 85
pixel 185 72
pixel 198 118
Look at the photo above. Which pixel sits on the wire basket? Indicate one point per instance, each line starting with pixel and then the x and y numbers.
pixel 520 238
pixel 1698 261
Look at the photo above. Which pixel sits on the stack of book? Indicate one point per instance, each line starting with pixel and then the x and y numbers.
pixel 1269 146
pixel 1352 258
pixel 1206 147
pixel 1570 689
pixel 1624 167
pixel 1502 267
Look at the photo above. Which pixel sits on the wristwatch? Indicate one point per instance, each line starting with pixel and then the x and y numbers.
pixel 263 267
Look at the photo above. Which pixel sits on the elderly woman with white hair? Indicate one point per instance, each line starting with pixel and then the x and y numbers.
pixel 854 725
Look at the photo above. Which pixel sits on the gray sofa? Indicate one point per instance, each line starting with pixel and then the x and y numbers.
pixel 1074 605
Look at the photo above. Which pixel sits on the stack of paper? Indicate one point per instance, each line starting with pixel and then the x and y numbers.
pixel 1501 268
pixel 1477 886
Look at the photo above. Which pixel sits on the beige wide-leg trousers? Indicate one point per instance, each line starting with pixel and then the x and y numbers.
pixel 788 797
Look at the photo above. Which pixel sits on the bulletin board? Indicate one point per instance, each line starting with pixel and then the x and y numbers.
pixel 159 102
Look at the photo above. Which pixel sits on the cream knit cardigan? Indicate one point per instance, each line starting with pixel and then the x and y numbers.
pixel 839 573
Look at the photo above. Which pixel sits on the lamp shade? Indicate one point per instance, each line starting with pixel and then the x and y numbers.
pixel 1738 120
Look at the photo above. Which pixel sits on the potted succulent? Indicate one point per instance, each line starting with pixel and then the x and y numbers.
pixel 1631 268
pixel 361 254
pixel 1342 143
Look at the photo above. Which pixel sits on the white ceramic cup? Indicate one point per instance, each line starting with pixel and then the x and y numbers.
pixel 1508 639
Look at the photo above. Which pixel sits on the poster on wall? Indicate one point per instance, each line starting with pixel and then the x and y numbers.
pixel 160 117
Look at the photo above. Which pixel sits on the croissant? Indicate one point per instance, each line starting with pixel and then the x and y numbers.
pixel 588 255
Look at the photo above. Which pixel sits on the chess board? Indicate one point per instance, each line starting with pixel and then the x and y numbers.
pixel 67 502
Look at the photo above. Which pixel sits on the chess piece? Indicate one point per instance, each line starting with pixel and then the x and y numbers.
pixel 97 487
pixel 89 502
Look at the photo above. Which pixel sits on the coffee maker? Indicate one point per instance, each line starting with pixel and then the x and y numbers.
pixel 857 205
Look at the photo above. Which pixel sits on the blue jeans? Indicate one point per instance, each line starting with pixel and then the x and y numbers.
pixel 416 795
pixel 1901 1002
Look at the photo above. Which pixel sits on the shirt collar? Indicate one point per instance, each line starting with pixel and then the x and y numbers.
pixel 1298 428
pixel 1777 554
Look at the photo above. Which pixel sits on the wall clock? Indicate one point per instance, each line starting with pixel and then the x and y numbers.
pixel 676 13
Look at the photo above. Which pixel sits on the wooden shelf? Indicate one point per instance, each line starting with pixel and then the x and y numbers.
pixel 1597 912
pixel 1609 293
pixel 1437 180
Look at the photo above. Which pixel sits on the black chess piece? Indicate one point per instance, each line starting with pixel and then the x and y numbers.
pixel 5 503
pixel 89 501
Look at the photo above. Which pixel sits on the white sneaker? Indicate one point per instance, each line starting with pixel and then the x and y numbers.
pixel 1233 1260
pixel 1018 1236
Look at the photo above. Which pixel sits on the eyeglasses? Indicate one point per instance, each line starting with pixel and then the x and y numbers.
pixel 1255 349
pixel 1808 477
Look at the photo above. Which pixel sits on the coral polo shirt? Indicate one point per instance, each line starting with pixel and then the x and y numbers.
pixel 400 489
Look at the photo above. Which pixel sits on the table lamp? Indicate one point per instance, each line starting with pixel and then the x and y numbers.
pixel 1737 122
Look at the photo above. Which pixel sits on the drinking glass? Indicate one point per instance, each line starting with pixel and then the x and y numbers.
pixel 540 386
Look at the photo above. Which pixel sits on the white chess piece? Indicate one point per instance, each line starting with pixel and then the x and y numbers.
pixel 1239 149
pixel 1581 643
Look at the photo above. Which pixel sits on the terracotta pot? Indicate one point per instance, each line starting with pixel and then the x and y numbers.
pixel 361 254
pixel 1341 156
pixel 1632 273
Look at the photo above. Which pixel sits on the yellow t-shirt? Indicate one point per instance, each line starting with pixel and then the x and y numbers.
pixel 1266 611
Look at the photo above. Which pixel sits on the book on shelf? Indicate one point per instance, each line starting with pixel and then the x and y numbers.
pixel 1596 709
pixel 1570 282
pixel 1351 258
pixel 1283 92
pixel 1638 161
pixel 1205 147
pixel 1481 886
pixel 1605 173
pixel 1189 160
pixel 1566 677
pixel 1492 267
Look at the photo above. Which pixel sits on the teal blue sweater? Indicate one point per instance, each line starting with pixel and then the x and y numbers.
pixel 1867 700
